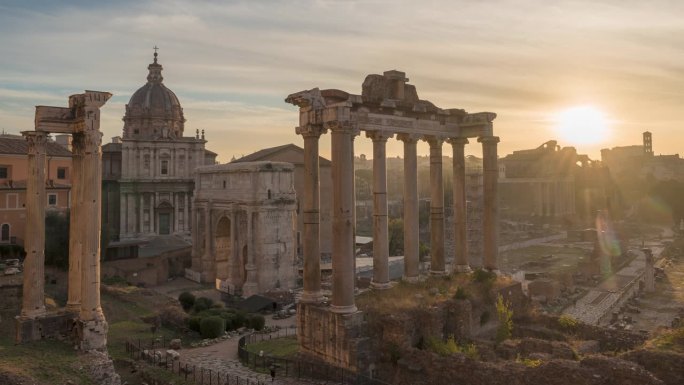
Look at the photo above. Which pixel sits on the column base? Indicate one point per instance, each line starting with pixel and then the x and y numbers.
pixel 250 289
pixel 462 269
pixel 438 273
pixel 312 297
pixel 343 309
pixel 73 307
pixel 381 285
pixel 33 314
pixel 415 279
pixel 92 335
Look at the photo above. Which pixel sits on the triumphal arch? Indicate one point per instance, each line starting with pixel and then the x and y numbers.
pixel 82 317
pixel 388 107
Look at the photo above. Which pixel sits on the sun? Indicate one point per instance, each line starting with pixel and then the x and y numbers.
pixel 582 125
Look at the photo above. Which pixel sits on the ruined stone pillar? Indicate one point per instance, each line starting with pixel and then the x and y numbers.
pixel 380 236
pixel 411 242
pixel 437 266
pixel 490 211
pixel 460 221
pixel 33 301
pixel 310 199
pixel 251 285
pixel 343 258
pixel 93 325
pixel 75 223
pixel 649 272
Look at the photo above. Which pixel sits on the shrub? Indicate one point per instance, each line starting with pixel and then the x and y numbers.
pixel 212 327
pixel 240 319
pixel 529 362
pixel 256 322
pixel 505 314
pixel 567 323
pixel 483 276
pixel 460 293
pixel 202 303
pixel 187 300
pixel 173 317
pixel 194 323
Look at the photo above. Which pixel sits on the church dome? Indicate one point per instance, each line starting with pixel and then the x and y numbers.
pixel 154 112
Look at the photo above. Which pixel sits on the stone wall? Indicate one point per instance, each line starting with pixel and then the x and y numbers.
pixel 10 291
pixel 331 337
pixel 150 271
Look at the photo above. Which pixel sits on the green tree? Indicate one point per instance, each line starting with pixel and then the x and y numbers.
pixel 395 230
pixel 57 239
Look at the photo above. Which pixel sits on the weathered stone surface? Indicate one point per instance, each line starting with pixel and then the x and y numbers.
pixel 175 344
pixel 666 366
pixel 100 368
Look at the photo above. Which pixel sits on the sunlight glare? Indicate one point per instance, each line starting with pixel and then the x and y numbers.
pixel 582 125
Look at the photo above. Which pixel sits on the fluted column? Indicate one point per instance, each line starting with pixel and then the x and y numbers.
pixel 343 259
pixel 380 232
pixel 491 202
pixel 310 199
pixel 460 220
pixel 208 258
pixel 33 300
pixel 411 230
pixel 437 266
pixel 75 223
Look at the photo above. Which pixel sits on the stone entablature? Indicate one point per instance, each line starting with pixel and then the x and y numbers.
pixel 244 218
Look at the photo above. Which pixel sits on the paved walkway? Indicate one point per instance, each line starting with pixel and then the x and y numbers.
pixel 223 358
pixel 599 302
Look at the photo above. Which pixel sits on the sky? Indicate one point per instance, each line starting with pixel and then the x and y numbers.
pixel 232 63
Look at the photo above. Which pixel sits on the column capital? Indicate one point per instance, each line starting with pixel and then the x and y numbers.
pixel 457 141
pixel 92 140
pixel 341 126
pixel 434 140
pixel 379 135
pixel 78 144
pixel 488 139
pixel 36 140
pixel 409 138
pixel 311 130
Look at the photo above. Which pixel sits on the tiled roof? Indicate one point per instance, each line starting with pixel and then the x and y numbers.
pixel 18 145
pixel 266 153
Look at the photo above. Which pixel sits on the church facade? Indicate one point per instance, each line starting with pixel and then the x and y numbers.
pixel 148 173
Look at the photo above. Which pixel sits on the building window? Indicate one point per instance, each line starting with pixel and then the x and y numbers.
pixel 61 172
pixel 146 162
pixel 4 172
pixel 5 232
pixel 165 167
pixel 52 199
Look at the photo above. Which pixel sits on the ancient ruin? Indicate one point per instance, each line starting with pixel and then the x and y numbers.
pixel 83 313
pixel 244 227
pixel 388 106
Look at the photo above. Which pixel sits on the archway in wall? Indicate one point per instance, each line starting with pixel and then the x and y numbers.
pixel 223 248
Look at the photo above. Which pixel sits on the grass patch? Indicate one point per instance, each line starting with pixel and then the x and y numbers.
pixel 405 296
pixel 671 340
pixel 280 347
pixel 50 362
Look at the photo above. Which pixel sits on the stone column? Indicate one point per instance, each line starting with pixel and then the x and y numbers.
pixel 141 212
pixel 94 327
pixel 75 225
pixel 490 211
pixel 460 220
pixel 437 266
pixel 649 271
pixel 33 300
pixel 343 259
pixel 207 232
pixel 310 199
pixel 251 285
pixel 411 241
pixel 380 232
